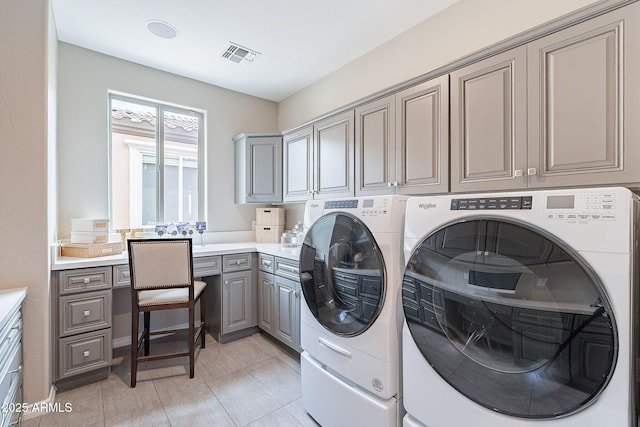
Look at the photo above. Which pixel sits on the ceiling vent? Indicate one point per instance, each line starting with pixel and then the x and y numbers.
pixel 239 54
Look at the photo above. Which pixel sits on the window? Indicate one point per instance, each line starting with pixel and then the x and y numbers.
pixel 157 173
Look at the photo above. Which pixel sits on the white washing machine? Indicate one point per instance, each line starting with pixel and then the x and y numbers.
pixel 351 320
pixel 521 309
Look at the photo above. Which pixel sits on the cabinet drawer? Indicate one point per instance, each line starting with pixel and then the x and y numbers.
pixel 236 262
pixel 11 373
pixel 287 268
pixel 9 336
pixel 265 262
pixel 84 279
pixel 206 266
pixel 121 276
pixel 84 312
pixel 84 353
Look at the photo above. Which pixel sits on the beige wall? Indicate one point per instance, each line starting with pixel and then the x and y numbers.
pixel 464 28
pixel 25 90
pixel 84 79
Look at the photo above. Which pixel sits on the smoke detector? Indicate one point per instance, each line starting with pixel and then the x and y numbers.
pixel 239 54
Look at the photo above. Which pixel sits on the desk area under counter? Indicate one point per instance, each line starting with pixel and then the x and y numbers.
pixel 91 304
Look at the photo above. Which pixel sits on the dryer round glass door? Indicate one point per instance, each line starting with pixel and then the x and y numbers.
pixel 510 317
pixel 342 274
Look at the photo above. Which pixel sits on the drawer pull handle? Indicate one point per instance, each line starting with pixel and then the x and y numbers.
pixel 289 269
pixel 332 346
pixel 86 313
pixel 15 371
pixel 86 353
pixel 86 280
pixel 266 263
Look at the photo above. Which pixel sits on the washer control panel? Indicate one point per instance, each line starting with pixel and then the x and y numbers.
pixel 581 207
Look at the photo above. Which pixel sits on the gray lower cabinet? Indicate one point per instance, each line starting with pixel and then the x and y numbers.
pixel 258 168
pixel 11 362
pixel 82 309
pixel 287 311
pixel 232 298
pixel 266 299
pixel 402 141
pixel 280 296
pixel 552 112
pixel 319 159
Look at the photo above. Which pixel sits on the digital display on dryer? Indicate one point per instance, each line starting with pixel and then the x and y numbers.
pixel 561 202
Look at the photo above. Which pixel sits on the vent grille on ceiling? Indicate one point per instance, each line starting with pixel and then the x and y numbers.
pixel 239 54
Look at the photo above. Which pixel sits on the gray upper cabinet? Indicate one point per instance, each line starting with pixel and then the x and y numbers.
pixel 258 168
pixel 555 112
pixel 318 160
pixel 583 130
pixel 375 147
pixel 402 141
pixel 422 138
pixel 488 123
pixel 298 165
pixel 333 151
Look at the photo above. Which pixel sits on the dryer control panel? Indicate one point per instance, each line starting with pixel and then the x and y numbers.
pixel 581 207
pixel 492 203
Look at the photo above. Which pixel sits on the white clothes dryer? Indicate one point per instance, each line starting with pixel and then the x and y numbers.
pixel 351 319
pixel 521 309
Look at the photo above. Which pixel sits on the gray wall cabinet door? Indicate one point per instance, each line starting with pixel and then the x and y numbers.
pixel 237 301
pixel 583 130
pixel 333 156
pixel 266 307
pixel 258 168
pixel 488 123
pixel 422 138
pixel 375 147
pixel 298 165
pixel 287 311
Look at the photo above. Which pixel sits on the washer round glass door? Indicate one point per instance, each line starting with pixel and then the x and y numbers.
pixel 510 317
pixel 342 274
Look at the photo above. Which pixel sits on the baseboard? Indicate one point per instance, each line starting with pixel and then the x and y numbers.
pixel 43 407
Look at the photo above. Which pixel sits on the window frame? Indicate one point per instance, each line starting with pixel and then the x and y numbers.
pixel 161 108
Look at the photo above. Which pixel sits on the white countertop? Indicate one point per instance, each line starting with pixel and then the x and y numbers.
pixel 10 299
pixel 209 249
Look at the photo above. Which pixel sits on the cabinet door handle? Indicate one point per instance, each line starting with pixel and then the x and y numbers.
pixel 389 184
pixel 517 172
pixel 395 183
pixel 532 171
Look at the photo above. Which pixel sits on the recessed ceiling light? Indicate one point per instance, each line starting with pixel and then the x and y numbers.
pixel 161 29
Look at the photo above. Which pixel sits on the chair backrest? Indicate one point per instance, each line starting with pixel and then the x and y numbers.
pixel 160 263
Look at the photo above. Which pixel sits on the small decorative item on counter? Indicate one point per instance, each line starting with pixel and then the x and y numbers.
pixel 161 229
pixel 289 239
pixel 183 228
pixel 172 229
pixel 201 226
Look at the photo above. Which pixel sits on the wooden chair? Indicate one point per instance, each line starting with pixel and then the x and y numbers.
pixel 162 279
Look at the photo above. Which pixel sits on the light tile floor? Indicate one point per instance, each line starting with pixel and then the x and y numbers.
pixel 249 382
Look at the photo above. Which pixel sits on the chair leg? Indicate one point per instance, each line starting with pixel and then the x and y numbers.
pixel 203 331
pixel 191 340
pixel 134 347
pixel 147 331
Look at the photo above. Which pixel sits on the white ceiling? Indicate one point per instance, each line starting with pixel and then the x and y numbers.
pixel 300 41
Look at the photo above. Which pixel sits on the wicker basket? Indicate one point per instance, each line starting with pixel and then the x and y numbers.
pixel 90 250
pixel 270 216
pixel 269 233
